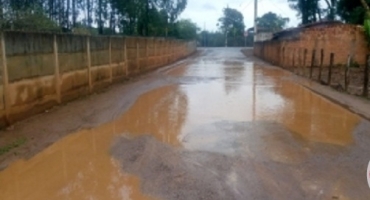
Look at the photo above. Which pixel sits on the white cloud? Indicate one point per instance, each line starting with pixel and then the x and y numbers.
pixel 207 12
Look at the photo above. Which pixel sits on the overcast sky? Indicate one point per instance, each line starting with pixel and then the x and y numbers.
pixel 208 11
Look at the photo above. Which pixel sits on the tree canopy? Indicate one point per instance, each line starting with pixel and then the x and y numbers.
pixel 352 11
pixel 129 17
pixel 308 10
pixel 272 22
pixel 232 22
pixel 315 10
pixel 230 33
pixel 186 29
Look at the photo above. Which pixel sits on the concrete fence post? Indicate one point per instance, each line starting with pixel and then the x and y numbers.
pixel 125 55
pixel 89 62
pixel 283 58
pixel 299 65
pixel 321 63
pixel 365 92
pixel 110 60
pixel 147 52
pixel 173 51
pixel 312 62
pixel 5 79
pixel 330 67
pixel 137 56
pixel 56 69
pixel 293 60
pixel 167 46
pixel 169 52
pixel 155 53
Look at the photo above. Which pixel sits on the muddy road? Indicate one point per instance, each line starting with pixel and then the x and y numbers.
pixel 218 125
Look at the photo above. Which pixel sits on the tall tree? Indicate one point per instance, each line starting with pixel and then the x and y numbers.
pixel 331 9
pixel 231 21
pixel 309 10
pixel 187 29
pixel 131 17
pixel 272 22
pixel 352 11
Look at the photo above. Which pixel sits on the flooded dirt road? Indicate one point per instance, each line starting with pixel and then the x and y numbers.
pixel 216 126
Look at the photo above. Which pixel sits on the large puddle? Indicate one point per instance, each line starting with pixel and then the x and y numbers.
pixel 203 113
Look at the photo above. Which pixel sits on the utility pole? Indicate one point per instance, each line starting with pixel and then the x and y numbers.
pixel 255 18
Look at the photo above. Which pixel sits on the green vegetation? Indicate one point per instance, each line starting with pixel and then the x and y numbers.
pixel 230 33
pixel 271 22
pixel 309 10
pixel 128 17
pixel 350 11
pixel 186 29
pixel 231 22
pixel 13 145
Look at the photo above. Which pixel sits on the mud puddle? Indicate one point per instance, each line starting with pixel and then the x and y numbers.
pixel 80 167
pixel 229 130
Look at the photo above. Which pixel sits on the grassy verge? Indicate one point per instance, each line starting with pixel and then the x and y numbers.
pixel 13 145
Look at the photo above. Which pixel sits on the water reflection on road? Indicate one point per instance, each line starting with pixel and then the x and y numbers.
pixel 224 104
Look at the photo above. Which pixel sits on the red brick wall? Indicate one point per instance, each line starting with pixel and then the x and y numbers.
pixel 340 39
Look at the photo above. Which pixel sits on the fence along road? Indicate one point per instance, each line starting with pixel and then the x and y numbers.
pixel 215 126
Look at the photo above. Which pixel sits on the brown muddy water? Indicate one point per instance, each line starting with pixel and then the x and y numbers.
pixel 231 128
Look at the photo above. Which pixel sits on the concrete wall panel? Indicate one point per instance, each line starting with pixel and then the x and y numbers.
pixel 47 69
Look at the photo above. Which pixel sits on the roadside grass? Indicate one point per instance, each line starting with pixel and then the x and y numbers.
pixel 13 145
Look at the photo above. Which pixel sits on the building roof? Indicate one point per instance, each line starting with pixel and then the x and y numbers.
pixel 292 32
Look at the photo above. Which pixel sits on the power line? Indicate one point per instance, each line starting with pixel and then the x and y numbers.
pixel 246 6
pixel 276 6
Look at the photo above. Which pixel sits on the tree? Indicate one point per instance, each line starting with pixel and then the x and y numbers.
pixel 352 11
pixel 331 9
pixel 308 10
pixel 129 17
pixel 211 39
pixel 272 22
pixel 187 30
pixel 232 21
pixel 232 25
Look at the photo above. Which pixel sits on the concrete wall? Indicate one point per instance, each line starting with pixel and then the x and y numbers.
pixel 40 70
pixel 301 51
pixel 260 37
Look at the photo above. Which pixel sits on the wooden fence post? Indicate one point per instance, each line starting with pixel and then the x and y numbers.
pixel 89 62
pixel 330 67
pixel 321 63
pixel 346 72
pixel 312 62
pixel 5 80
pixel 365 92
pixel 56 69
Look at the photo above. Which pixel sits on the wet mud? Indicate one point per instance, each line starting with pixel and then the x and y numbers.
pixel 217 126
